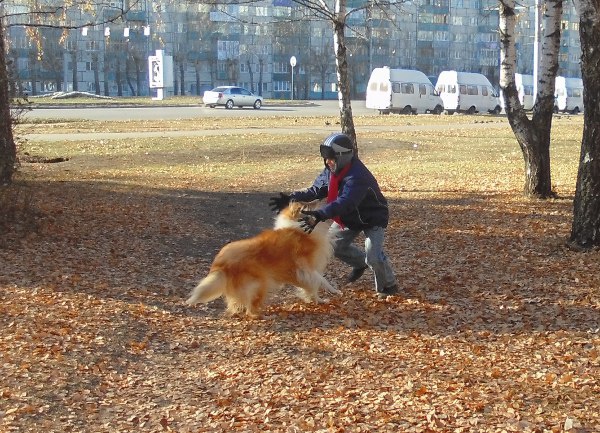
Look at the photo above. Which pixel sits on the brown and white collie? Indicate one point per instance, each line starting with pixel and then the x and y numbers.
pixel 245 271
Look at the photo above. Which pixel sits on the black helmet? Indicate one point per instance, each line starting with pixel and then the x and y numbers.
pixel 339 147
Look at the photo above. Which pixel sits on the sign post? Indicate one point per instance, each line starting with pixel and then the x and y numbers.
pixel 156 78
pixel 160 71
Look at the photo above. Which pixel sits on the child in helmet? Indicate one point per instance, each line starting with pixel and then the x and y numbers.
pixel 355 204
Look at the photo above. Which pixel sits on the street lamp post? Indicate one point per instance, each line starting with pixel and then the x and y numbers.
pixel 293 63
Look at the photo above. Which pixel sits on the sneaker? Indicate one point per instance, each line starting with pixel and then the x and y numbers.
pixel 388 291
pixel 356 274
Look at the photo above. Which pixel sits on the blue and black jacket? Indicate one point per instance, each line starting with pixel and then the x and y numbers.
pixel 359 204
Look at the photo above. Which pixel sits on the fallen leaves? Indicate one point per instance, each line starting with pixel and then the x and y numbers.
pixel 497 329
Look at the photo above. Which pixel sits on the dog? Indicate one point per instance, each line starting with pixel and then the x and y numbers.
pixel 244 272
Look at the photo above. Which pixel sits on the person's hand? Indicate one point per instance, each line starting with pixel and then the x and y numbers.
pixel 277 204
pixel 310 221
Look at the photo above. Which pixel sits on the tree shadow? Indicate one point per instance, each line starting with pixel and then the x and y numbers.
pixel 469 263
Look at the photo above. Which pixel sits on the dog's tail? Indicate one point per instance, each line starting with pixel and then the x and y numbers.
pixel 209 289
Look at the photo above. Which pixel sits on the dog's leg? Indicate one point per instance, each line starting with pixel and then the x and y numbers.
pixel 248 297
pixel 255 305
pixel 305 294
pixel 310 282
pixel 327 286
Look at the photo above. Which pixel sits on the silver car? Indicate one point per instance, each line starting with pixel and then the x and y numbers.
pixel 231 96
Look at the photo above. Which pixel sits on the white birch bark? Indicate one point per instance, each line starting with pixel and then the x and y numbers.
pixel 533 135
pixel 508 55
pixel 548 65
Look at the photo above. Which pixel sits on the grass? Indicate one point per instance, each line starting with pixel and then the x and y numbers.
pixel 441 152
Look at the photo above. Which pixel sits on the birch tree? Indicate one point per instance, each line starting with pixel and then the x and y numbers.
pixel 336 13
pixel 585 230
pixel 533 135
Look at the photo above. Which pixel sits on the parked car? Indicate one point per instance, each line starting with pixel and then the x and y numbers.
pixel 231 96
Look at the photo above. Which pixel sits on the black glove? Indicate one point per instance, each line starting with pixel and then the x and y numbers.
pixel 310 221
pixel 277 204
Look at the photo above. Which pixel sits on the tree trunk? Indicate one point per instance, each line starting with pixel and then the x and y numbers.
pixel 251 73
pixel 8 150
pixel 260 76
pixel 106 69
pixel 96 68
pixel 532 135
pixel 128 75
pixel 341 61
pixel 138 75
pixel 585 231
pixel 118 77
pixel 197 71
pixel 182 76
pixel 74 71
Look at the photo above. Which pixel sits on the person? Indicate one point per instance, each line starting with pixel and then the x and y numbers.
pixel 356 205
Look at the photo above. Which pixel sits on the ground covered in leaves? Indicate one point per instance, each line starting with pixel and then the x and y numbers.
pixel 497 328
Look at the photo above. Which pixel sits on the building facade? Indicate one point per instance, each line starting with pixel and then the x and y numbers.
pixel 251 44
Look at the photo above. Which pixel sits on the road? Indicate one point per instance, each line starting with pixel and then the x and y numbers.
pixel 318 108
pixel 277 108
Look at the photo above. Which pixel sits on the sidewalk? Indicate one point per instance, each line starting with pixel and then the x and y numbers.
pixel 86 136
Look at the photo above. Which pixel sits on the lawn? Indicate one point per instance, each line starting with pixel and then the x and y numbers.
pixel 497 328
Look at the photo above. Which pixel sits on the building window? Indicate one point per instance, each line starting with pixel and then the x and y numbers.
pixel 281 68
pixel 262 11
pixel 228 50
pixel 440 19
pixel 281 86
pixel 441 36
pixel 425 35
pixel 460 37
pixel 281 11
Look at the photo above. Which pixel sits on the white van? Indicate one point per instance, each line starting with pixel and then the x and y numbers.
pixel 467 92
pixel 405 91
pixel 524 84
pixel 568 95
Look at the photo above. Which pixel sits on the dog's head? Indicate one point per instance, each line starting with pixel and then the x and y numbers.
pixel 290 215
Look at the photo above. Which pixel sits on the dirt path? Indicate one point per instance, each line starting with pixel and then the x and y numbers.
pixel 250 130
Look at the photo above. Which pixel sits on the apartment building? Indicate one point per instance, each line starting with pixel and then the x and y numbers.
pixel 251 44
